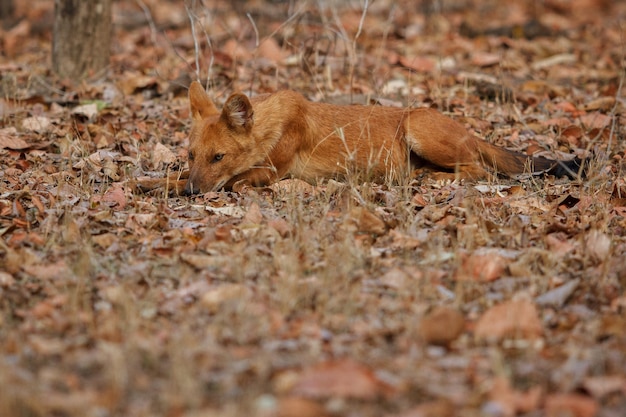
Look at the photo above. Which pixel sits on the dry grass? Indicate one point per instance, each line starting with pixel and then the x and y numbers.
pixel 117 303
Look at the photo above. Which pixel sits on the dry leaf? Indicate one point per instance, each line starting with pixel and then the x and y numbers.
pixel 341 378
pixel 215 298
pixel 367 222
pixel 510 402
pixel 559 295
pixel 116 197
pixel 299 407
pixel 575 405
pixel 441 326
pixel 6 279
pixel 162 155
pixel 481 267
pixel 51 271
pixel 417 63
pixel 88 110
pixel 598 245
pixel 485 59
pixel 511 319
pixel 270 50
pixel 10 140
pixel 596 120
pixel 395 278
pixel 439 408
pixel 253 215
pixel 37 124
pixel 601 386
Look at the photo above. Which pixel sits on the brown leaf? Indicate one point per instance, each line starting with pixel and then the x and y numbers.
pixel 442 326
pixel 162 155
pixel 115 196
pixel 36 124
pixel 6 279
pixel 395 278
pixel 45 272
pixel 438 408
pixel 598 245
pixel 485 59
pixel 596 120
pixel 367 222
pixel 10 140
pixel 603 104
pixel 512 402
pixel 511 319
pixel 403 241
pixel 283 228
pixel 299 407
pixel 601 386
pixel 575 405
pixel 558 243
pixel 481 267
pixel 215 298
pixel 339 378
pixel 253 215
pixel 270 50
pixel 419 64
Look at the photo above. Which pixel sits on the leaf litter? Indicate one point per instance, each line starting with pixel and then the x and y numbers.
pixel 428 298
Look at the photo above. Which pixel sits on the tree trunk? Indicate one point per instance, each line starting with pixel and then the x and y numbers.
pixel 6 9
pixel 81 40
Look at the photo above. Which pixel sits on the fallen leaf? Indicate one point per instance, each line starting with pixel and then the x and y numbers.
pixel 89 110
pixel 253 215
pixel 511 319
pixel 510 402
pixel 603 104
pixel 283 228
pixel 598 245
pixel 481 267
pixel 575 405
pixel 367 222
pixel 441 326
pixel 270 50
pixel 37 124
pixel 419 64
pixel 395 278
pixel 558 296
pixel 51 271
pixel 438 408
pixel 558 244
pixel 596 120
pixel 215 298
pixel 162 155
pixel 6 279
pixel 202 261
pixel 601 386
pixel 558 59
pixel 299 407
pixel 342 378
pixel 115 196
pixel 485 59
pixel 10 140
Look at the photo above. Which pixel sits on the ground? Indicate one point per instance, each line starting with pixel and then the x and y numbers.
pixel 426 298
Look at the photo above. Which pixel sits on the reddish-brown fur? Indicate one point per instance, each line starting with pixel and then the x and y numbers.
pixel 264 139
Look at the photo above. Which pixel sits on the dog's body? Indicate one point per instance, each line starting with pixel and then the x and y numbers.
pixel 265 139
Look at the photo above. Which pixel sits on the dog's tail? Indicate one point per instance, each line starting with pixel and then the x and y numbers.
pixel 514 163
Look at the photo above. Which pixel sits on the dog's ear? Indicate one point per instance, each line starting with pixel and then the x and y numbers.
pixel 200 104
pixel 238 112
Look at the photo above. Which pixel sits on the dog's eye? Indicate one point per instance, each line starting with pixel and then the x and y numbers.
pixel 218 157
pixel 190 156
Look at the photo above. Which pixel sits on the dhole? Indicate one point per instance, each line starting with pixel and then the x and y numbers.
pixel 267 138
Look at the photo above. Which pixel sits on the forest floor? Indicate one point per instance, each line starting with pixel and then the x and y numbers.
pixel 426 298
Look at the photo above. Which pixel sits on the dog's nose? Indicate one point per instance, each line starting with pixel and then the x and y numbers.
pixel 190 189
